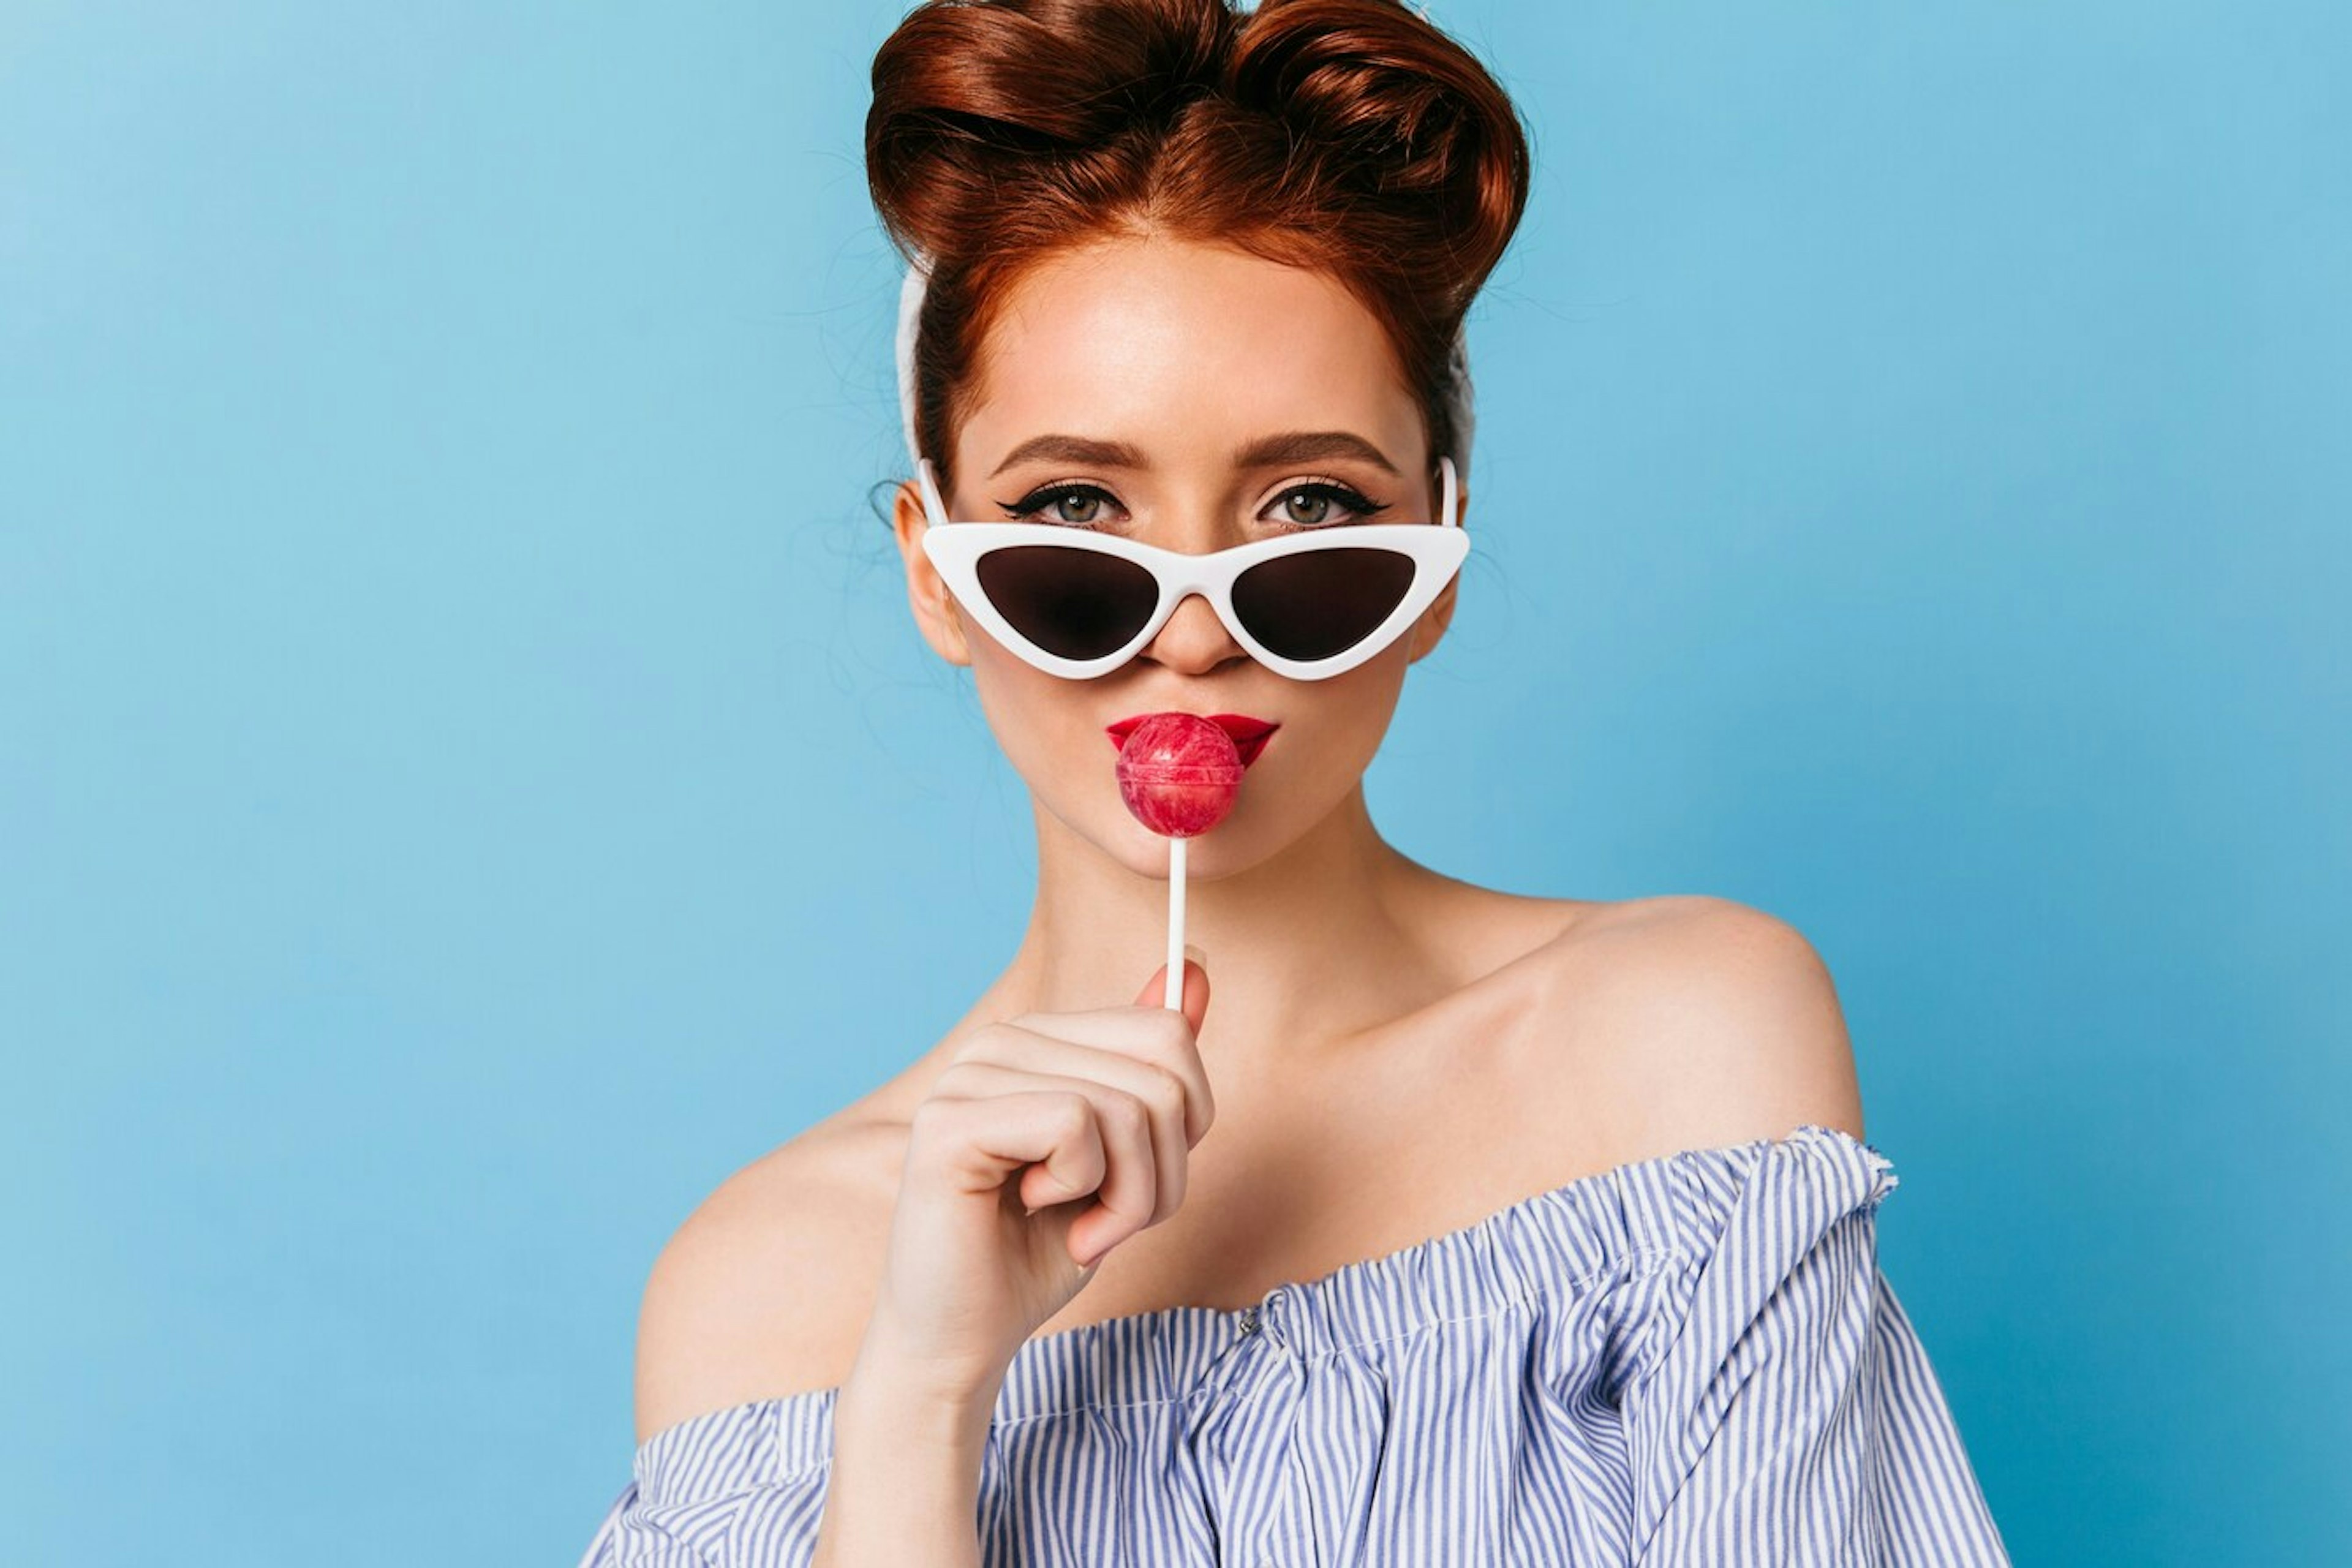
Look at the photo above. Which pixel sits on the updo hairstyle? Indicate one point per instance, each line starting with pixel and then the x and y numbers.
pixel 1347 136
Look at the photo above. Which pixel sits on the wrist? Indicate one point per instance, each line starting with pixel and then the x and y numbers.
pixel 893 1389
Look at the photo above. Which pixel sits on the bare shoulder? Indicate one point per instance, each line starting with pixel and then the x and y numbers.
pixel 1716 1023
pixel 765 1289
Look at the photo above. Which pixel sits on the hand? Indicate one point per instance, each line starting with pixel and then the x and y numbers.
pixel 1089 1119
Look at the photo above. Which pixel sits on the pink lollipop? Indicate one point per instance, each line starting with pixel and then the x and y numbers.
pixel 1179 773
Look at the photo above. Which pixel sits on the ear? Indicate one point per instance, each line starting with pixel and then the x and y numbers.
pixel 927 592
pixel 1433 620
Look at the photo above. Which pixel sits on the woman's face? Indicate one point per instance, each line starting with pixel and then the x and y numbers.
pixel 1130 382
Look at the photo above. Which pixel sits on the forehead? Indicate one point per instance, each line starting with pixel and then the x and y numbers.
pixel 1186 349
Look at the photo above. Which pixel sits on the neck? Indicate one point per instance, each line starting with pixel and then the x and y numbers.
pixel 1322 941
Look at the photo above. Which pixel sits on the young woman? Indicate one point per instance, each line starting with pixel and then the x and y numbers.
pixel 1464 1226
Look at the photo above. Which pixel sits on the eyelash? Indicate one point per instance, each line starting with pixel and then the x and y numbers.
pixel 1345 495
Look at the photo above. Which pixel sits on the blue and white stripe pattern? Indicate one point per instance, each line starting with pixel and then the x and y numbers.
pixel 1689 1360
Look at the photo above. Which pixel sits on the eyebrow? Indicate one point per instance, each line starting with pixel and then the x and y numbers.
pixel 1073 450
pixel 1290 446
pixel 1307 446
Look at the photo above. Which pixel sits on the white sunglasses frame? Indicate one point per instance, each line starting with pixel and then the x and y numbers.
pixel 1436 551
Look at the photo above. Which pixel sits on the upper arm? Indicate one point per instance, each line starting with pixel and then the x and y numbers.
pixel 1732 1027
pixel 740 1303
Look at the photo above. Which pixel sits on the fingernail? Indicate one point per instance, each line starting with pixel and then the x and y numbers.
pixel 1196 955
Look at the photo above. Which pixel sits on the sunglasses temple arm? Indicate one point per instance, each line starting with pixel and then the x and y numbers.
pixel 935 506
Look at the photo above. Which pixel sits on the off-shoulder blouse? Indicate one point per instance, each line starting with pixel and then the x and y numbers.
pixel 1693 1359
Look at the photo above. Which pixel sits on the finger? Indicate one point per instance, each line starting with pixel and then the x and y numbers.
pixel 1133 1024
pixel 983 1140
pixel 978 1144
pixel 1170 1075
pixel 1160 1096
pixel 1196 993
pixel 1115 1141
pixel 1195 997
pixel 1128 1197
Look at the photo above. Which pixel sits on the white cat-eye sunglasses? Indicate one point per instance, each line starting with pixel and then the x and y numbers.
pixel 1078 603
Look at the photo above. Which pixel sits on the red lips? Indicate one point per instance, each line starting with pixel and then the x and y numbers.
pixel 1249 735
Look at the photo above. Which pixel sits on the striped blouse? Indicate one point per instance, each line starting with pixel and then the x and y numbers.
pixel 1693 1359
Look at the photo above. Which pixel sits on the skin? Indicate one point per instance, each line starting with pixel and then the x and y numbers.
pixel 1394 1053
pixel 1307 916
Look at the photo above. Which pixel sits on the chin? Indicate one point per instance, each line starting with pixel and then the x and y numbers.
pixel 1225 851
pixel 1116 836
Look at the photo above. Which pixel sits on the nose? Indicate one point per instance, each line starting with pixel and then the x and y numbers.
pixel 1194 641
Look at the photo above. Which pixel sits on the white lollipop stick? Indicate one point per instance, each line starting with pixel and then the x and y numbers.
pixel 1175 997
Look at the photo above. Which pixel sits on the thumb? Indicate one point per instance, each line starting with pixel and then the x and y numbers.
pixel 1196 993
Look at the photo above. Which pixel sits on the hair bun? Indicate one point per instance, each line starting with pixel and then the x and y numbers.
pixel 968 96
pixel 1386 102
pixel 1346 136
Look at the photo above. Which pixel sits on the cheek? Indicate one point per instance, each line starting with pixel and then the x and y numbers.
pixel 1345 720
pixel 1040 721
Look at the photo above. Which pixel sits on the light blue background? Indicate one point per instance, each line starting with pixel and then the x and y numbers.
pixel 471 782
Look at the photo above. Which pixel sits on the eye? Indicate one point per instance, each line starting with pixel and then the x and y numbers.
pixel 1074 505
pixel 1321 502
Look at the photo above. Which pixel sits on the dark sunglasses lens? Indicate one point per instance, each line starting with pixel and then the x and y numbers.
pixel 1321 603
pixel 1076 604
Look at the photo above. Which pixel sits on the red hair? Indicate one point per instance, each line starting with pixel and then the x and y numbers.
pixel 1348 136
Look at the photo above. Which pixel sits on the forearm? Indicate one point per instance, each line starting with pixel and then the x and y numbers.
pixel 903 1485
